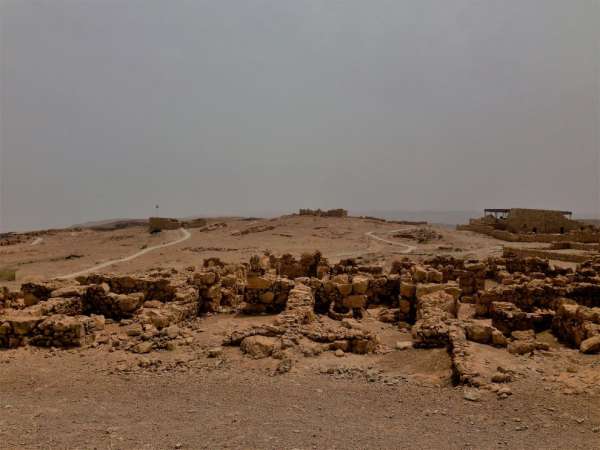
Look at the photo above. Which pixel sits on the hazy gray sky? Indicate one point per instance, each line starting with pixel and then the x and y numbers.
pixel 109 107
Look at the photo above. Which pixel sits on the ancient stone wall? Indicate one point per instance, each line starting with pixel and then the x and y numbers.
pixel 531 296
pixel 323 213
pixel 579 326
pixel 55 330
pixel 583 236
pixel 156 224
pixel 309 265
pixel 521 220
pixel 435 312
pixel 542 253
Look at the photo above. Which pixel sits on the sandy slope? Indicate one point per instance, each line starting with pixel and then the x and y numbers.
pixel 68 251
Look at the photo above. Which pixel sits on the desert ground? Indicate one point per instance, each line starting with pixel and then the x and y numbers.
pixel 64 252
pixel 202 394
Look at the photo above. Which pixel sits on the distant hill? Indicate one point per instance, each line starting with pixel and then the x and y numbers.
pixel 112 224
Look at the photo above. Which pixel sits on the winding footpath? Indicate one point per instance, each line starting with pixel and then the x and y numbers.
pixel 371 234
pixel 185 236
pixel 409 248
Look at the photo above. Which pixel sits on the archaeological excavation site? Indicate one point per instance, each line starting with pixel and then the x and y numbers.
pixel 388 304
pixel 299 225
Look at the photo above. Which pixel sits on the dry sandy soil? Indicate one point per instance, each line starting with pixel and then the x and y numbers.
pixel 96 398
pixel 64 252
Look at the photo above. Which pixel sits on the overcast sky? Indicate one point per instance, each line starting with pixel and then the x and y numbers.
pixel 109 107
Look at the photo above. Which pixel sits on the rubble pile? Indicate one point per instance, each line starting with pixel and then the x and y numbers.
pixel 435 314
pixel 309 265
pixel 253 229
pixel 578 325
pixel 219 288
pixel 318 307
pixel 422 235
pixel 56 330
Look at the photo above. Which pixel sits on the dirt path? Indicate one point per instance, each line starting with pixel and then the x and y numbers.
pixel 368 250
pixel 37 241
pixel 409 248
pixel 186 235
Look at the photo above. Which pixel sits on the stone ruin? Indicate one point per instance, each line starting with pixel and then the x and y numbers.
pixel 323 213
pixel 532 225
pixel 157 224
pixel 511 299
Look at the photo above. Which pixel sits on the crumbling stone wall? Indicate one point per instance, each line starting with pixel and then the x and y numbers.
pixel 159 287
pixel 345 295
pixel 578 326
pixel 266 293
pixel 210 290
pixel 351 267
pixel 527 296
pixel 320 213
pixel 539 220
pixel 514 262
pixel 435 314
pixel 448 265
pixel 156 224
pixel 472 278
pixel 309 265
pixel 195 223
pixel 507 317
pixel 589 236
pixel 55 330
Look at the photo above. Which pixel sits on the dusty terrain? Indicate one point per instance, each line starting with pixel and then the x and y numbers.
pixel 68 251
pixel 201 394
